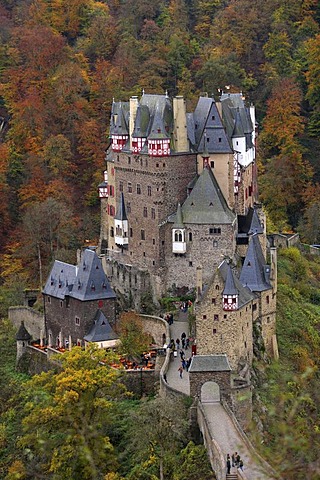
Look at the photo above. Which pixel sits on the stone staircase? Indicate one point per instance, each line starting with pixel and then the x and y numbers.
pixel 232 476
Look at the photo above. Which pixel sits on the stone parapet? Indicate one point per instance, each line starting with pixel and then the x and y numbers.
pixel 33 320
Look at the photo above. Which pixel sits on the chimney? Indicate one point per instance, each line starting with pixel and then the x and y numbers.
pixel 133 112
pixel 273 270
pixel 180 125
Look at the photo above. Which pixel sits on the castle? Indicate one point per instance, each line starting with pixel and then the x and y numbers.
pixel 180 212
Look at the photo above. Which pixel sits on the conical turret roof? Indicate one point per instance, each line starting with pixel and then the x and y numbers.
pixel 23 333
pixel 255 273
pixel 179 219
pixel 230 287
pixel 121 211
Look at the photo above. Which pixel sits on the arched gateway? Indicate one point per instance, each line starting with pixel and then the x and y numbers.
pixel 210 378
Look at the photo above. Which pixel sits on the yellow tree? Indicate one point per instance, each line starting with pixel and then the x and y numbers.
pixel 67 414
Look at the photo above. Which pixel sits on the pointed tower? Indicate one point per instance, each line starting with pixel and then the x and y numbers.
pixel 230 295
pixel 121 224
pixel 23 338
pixel 179 234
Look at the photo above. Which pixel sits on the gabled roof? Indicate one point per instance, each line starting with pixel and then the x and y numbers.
pixel 214 139
pixel 160 114
pixel 255 273
pixel 121 210
pixel 209 363
pixel 119 118
pixel 101 330
pixel 87 281
pixel 142 120
pixel 23 333
pixel 236 117
pixel 206 203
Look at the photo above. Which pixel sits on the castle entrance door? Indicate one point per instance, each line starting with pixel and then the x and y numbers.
pixel 210 392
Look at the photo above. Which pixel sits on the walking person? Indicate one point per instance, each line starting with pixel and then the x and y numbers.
pixel 178 343
pixel 233 459
pixel 241 464
pixel 237 459
pixel 228 464
pixel 180 370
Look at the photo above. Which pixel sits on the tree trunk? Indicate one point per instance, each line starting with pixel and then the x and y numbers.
pixel 40 266
pixel 161 469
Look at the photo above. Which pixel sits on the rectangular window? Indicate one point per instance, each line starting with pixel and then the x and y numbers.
pixel 190 264
pixel 128 207
pixel 111 190
pixel 129 160
pixel 149 191
pixel 61 303
pixel 212 164
pixel 131 232
pixel 268 299
pixel 153 213
pixel 215 231
pixel 129 187
pixel 143 235
pixel 121 186
pixel 213 301
pixel 138 189
pixel 204 317
pixel 49 299
pixel 77 320
pixel 153 241
pixel 254 307
pixel 145 212
pixel 214 330
pixel 216 318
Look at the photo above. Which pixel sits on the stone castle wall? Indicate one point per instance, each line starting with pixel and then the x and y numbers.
pixel 33 320
pixel 61 316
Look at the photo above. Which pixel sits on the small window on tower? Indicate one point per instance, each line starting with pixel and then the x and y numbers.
pixel 145 212
pixel 216 318
pixel 138 188
pixel 214 330
pixel 121 186
pixel 129 187
pixel 111 232
pixel 213 301
pixel 212 164
pixel 128 207
pixel 153 213
pixel 130 232
pixel 143 235
pixel 190 236
pixel 149 191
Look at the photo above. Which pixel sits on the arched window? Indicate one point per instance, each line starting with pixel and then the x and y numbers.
pixel 178 236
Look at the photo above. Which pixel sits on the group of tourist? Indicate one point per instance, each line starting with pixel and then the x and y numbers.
pixel 235 461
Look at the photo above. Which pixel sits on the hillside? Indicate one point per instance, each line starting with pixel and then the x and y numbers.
pixel 287 400
pixel 63 62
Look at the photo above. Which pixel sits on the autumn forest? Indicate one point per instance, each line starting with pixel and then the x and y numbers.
pixel 62 63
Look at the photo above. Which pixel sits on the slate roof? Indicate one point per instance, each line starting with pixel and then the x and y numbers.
pixel 121 210
pixel 236 117
pixel 60 280
pixel 210 135
pixel 161 116
pixel 209 363
pixel 206 203
pixel 141 125
pixel 255 273
pixel 101 330
pixel 179 219
pixel 229 286
pixel 23 333
pixel 119 118
pixel 233 284
pixel 249 223
pixel 87 281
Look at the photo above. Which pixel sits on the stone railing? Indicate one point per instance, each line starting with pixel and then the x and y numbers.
pixel 215 454
pixel 265 465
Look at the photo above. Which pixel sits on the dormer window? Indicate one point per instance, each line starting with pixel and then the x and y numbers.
pixel 93 287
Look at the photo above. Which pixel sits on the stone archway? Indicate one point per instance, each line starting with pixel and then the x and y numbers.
pixel 210 392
